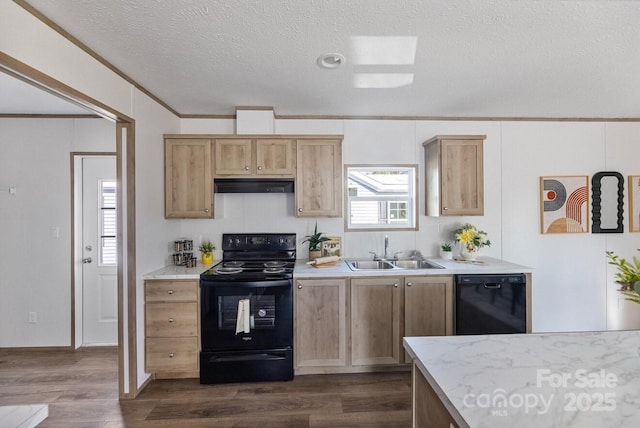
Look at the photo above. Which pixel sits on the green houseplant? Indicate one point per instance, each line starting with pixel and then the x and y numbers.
pixel 446 251
pixel 207 248
pixel 628 276
pixel 314 240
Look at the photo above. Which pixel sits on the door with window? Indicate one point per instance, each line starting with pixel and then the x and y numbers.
pixel 99 269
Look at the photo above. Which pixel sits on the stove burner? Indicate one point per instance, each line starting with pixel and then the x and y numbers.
pixel 228 270
pixel 275 264
pixel 233 264
pixel 273 270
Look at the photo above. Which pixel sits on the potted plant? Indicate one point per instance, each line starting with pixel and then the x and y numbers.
pixel 471 239
pixel 206 248
pixel 628 276
pixel 314 241
pixel 446 251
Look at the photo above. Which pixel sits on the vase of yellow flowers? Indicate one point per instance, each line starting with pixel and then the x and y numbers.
pixel 471 239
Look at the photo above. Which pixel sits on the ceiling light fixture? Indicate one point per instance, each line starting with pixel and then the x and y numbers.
pixel 330 60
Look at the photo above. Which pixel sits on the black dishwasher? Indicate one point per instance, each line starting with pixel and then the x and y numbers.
pixel 490 304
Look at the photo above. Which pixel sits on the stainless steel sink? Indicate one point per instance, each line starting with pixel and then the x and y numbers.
pixel 416 264
pixel 391 264
pixel 369 264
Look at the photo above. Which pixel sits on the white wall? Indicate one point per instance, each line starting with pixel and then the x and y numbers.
pixel 573 285
pixel 34 263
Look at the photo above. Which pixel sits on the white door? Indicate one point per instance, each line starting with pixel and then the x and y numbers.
pixel 99 271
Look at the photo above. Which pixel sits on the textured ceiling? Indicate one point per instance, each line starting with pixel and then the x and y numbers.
pixel 491 58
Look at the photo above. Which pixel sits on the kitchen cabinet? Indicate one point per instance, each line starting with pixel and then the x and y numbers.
pixel 255 157
pixel 427 408
pixel 320 326
pixel 428 306
pixel 454 175
pixel 188 178
pixel 376 305
pixel 172 328
pixel 319 178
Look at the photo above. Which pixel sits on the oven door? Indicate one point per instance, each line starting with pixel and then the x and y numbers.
pixel 265 309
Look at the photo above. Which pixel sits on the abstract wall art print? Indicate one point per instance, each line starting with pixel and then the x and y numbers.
pixel 564 204
pixel 634 203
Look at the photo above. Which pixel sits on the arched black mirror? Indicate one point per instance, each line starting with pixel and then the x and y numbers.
pixel 607 207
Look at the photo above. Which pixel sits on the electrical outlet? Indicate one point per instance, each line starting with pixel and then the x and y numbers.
pixel 33 317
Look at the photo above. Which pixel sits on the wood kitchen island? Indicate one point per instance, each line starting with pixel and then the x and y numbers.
pixel 582 380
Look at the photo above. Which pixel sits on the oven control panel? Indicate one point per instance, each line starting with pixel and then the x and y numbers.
pixel 259 242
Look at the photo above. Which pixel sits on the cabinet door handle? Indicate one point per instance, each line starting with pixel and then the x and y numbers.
pixel 409 284
pixel 395 285
pixel 170 320
pixel 170 354
pixel 299 210
pixel 299 286
pixel 206 210
pixel 246 168
pixel 444 208
pixel 170 292
pixel 260 168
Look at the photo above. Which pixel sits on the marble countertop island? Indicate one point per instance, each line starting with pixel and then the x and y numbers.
pixel 582 380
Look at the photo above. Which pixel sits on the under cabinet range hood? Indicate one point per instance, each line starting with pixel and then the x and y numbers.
pixel 253 185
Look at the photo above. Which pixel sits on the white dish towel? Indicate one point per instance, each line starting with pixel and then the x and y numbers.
pixel 242 318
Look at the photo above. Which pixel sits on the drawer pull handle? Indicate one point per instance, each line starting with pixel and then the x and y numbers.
pixel 170 292
pixel 170 320
pixel 170 354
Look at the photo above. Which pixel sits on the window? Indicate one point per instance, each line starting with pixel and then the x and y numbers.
pixel 381 197
pixel 107 214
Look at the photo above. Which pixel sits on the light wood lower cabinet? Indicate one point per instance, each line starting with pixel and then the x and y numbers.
pixel 357 324
pixel 428 306
pixel 320 325
pixel 375 320
pixel 172 328
pixel 427 408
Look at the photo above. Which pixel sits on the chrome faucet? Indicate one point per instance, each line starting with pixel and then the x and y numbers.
pixel 386 247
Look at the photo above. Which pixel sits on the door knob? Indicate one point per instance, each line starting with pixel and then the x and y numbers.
pixel 86 260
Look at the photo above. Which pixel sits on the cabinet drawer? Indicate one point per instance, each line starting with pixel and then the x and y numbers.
pixel 172 355
pixel 172 319
pixel 171 291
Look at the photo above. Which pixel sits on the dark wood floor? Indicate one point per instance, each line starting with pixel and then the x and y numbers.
pixel 81 390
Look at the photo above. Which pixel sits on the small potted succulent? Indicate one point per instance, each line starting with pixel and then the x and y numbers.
pixel 206 248
pixel 315 240
pixel 446 251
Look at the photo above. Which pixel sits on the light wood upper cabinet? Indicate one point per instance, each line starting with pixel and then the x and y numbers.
pixel 275 157
pixel 454 175
pixel 320 325
pixel 376 305
pixel 258 156
pixel 319 178
pixel 428 306
pixel 188 178
pixel 233 157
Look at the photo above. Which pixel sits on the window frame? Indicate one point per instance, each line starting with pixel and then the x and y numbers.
pixel 412 211
pixel 102 220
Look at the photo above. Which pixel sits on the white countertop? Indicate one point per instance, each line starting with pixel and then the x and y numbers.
pixel 178 272
pixel 451 267
pixel 580 380
pixel 302 269
pixel 23 416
